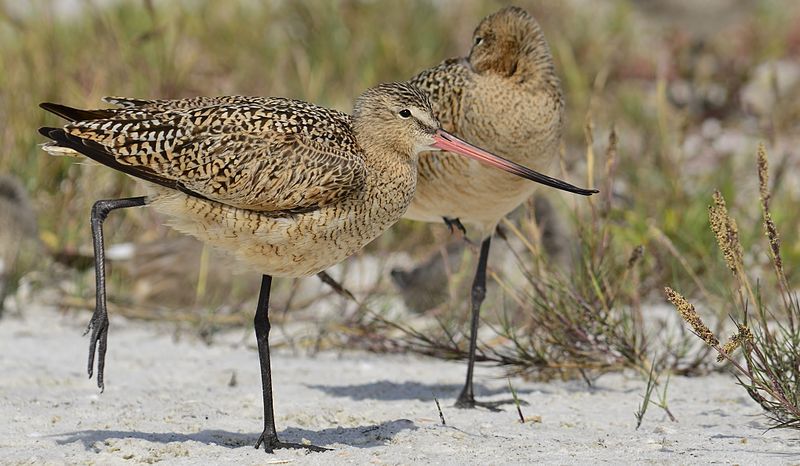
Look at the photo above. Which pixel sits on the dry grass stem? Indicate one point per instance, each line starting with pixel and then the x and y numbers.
pixel 770 372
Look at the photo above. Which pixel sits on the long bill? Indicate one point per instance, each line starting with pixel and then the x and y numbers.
pixel 446 141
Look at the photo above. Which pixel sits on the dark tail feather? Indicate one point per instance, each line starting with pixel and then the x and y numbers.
pixel 76 114
pixel 46 130
pixel 100 154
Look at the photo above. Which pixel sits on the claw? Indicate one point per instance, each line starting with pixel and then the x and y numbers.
pixel 453 224
pixel 271 443
pixel 98 343
pixel 494 406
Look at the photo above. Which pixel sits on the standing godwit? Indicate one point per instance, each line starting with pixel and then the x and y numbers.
pixel 504 96
pixel 288 187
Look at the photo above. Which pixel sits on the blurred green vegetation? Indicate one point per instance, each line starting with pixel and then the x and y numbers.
pixel 673 94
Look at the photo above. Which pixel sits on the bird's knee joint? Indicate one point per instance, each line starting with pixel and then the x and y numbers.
pixel 478 293
pixel 100 210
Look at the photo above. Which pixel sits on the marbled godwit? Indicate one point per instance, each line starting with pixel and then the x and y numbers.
pixel 504 96
pixel 288 187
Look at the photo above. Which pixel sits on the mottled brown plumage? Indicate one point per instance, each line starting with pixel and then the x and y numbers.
pixel 288 187
pixel 505 96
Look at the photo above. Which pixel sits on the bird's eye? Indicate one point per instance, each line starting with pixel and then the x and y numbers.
pixel 478 40
pixel 405 113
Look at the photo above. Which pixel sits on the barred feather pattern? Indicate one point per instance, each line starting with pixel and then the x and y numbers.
pixel 504 97
pixel 287 187
pixel 262 154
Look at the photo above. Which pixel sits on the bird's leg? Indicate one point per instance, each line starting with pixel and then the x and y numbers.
pixel 98 325
pixel 455 225
pixel 336 286
pixel 467 398
pixel 269 437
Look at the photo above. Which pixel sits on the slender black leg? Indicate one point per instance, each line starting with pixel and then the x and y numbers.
pixel 467 398
pixel 98 325
pixel 269 437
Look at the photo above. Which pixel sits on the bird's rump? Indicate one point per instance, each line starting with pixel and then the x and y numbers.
pixel 263 154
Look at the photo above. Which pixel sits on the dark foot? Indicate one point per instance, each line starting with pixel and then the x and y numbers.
pixel 457 228
pixel 98 342
pixel 455 224
pixel 464 402
pixel 271 443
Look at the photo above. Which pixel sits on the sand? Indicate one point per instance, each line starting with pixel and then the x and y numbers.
pixel 173 401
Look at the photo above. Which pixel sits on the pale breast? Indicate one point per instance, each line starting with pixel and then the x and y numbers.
pixel 522 126
pixel 292 245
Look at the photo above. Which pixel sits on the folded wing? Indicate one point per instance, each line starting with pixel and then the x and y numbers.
pixel 263 154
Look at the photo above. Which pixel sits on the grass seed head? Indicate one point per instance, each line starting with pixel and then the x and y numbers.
pixel 769 225
pixel 726 232
pixel 763 176
pixel 742 336
pixel 690 315
pixel 635 256
pixel 774 240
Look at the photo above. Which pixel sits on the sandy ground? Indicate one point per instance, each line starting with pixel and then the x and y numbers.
pixel 172 401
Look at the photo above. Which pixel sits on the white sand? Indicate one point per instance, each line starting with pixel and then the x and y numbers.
pixel 171 401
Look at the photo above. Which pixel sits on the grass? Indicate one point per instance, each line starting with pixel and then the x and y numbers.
pixel 768 335
pixel 655 151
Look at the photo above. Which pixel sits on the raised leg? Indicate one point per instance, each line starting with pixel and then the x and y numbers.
pixel 269 437
pixel 467 398
pixel 98 325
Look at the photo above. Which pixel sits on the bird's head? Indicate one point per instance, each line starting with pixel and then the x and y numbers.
pixel 508 42
pixel 397 120
pixel 398 116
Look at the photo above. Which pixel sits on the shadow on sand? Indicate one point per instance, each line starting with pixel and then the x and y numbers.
pixel 360 437
pixel 391 391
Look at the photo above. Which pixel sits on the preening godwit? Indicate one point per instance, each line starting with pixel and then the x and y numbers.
pixel 504 96
pixel 288 187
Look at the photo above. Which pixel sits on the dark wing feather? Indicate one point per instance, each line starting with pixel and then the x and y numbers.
pixel 100 154
pixel 262 154
pixel 76 114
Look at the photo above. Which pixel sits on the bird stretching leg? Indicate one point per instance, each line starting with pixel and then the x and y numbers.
pixel 269 437
pixel 232 170
pixel 98 325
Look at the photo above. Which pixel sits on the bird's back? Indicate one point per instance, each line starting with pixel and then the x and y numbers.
pixel 264 154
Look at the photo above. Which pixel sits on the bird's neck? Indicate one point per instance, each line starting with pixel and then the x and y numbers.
pixel 390 184
pixel 388 161
pixel 379 149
